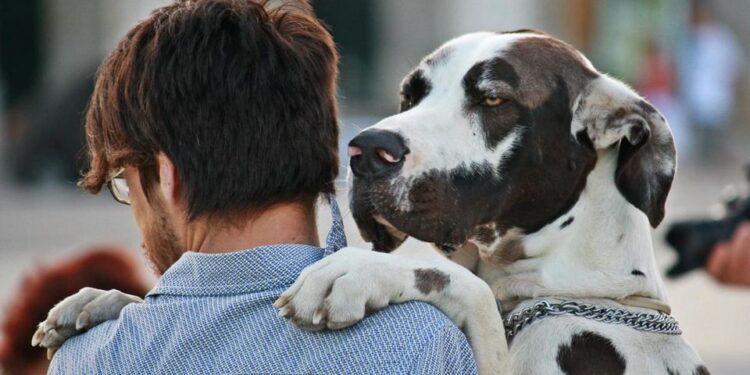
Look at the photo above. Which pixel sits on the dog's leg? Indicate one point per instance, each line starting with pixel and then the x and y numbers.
pixel 337 291
pixel 77 313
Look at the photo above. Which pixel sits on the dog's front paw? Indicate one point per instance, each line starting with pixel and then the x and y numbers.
pixel 77 313
pixel 338 291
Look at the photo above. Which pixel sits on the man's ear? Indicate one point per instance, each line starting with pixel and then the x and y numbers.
pixel 169 181
pixel 613 115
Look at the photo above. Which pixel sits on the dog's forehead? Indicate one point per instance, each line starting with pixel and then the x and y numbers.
pixel 454 58
pixel 522 50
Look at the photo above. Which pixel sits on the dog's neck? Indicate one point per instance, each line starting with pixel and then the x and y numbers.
pixel 601 248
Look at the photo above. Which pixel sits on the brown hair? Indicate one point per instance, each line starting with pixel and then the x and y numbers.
pixel 103 268
pixel 239 96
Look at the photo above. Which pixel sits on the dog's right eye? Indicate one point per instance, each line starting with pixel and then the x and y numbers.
pixel 492 101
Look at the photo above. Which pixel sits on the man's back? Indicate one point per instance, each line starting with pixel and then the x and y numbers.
pixel 214 314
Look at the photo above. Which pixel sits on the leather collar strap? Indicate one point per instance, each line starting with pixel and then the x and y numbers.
pixel 646 303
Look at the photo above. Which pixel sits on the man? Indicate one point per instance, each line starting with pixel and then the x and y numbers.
pixel 216 121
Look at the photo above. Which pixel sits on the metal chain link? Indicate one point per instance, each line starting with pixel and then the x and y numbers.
pixel 656 323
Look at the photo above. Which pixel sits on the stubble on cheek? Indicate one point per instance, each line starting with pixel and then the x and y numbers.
pixel 160 244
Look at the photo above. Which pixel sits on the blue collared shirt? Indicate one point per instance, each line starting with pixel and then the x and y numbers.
pixel 213 314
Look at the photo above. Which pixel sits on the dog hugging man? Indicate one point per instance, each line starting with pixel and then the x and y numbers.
pixel 216 121
pixel 536 176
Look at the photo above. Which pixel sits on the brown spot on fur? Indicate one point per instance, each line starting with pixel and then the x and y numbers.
pixel 485 234
pixel 510 248
pixel 589 353
pixel 525 31
pixel 540 61
pixel 430 279
pixel 619 113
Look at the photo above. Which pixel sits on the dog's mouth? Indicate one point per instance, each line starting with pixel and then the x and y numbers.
pixel 397 236
pixel 388 213
pixel 373 226
pixel 390 229
pixel 383 235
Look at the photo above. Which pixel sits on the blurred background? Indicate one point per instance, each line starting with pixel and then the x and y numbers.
pixel 689 58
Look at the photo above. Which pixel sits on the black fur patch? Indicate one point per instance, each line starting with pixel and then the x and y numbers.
pixel 428 280
pixel 544 186
pixel 498 121
pixel 642 176
pixel 637 273
pixel 567 222
pixel 701 370
pixel 589 353
pixel 414 89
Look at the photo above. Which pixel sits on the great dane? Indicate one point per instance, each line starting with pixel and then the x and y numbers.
pixel 538 177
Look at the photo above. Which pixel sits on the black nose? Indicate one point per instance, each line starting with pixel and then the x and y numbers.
pixel 377 153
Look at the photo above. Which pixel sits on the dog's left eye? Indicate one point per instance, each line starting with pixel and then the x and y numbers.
pixel 491 101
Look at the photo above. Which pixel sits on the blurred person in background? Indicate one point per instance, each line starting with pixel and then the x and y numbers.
pixel 729 261
pixel 217 121
pixel 656 82
pixel 709 78
pixel 98 267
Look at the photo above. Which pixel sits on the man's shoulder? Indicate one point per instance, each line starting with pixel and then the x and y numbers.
pixel 417 314
pixel 76 354
pixel 428 340
pixel 397 339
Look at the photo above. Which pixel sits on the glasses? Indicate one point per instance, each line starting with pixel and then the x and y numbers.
pixel 119 187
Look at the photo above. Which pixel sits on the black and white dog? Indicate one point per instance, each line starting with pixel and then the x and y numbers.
pixel 527 168
pixel 525 165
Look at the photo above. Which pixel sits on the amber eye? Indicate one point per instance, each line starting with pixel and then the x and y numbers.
pixel 492 102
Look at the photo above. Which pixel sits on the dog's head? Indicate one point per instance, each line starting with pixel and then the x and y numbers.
pixel 499 132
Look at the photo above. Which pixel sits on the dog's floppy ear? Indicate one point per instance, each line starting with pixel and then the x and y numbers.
pixel 613 115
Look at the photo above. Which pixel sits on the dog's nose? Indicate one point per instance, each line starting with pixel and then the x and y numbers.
pixel 377 153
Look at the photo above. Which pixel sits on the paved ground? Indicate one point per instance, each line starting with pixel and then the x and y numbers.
pixel 42 225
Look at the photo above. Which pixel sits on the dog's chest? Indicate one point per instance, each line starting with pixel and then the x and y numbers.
pixel 573 345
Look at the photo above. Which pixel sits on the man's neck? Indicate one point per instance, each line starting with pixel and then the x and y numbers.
pixel 292 223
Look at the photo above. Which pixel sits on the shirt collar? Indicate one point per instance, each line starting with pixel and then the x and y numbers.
pixel 246 271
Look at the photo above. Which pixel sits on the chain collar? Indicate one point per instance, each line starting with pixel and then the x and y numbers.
pixel 655 323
